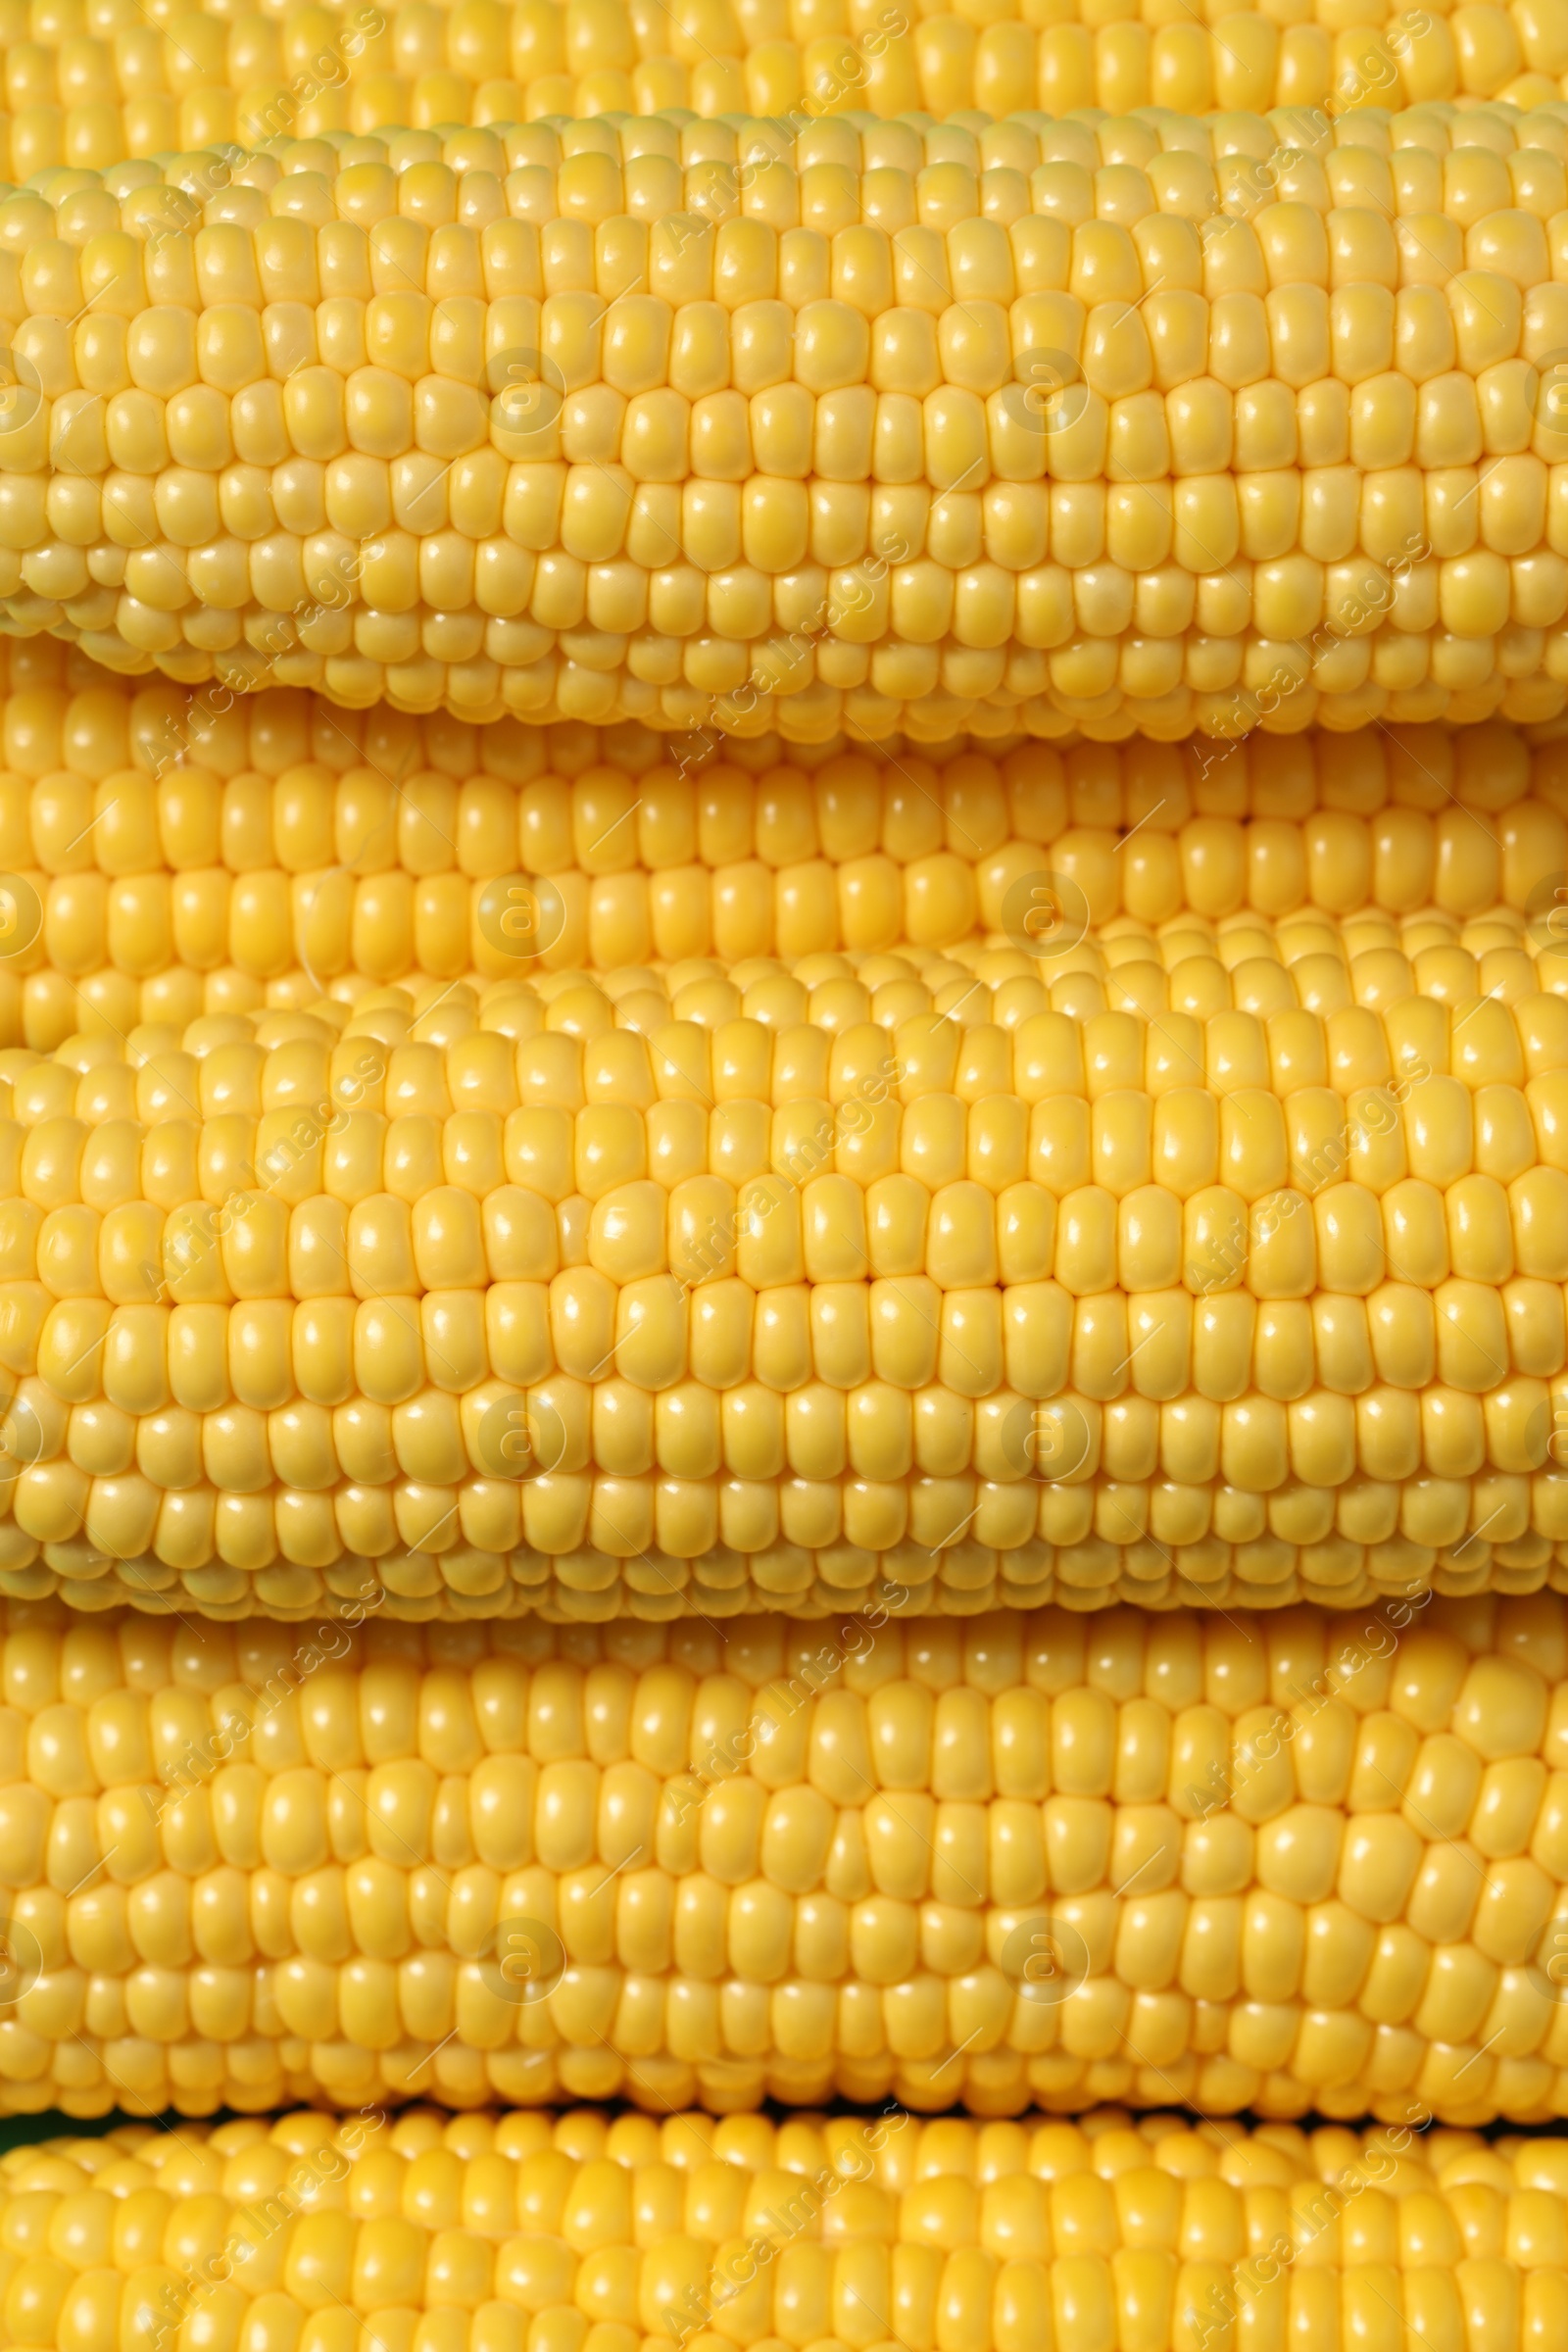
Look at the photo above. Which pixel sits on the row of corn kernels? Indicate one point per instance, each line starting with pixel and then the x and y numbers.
pixel 1450 169
pixel 913 1471
pixel 1486 156
pixel 643 2177
pixel 1083 1571
pixel 821 1029
pixel 889 404
pixel 1304 799
pixel 603 801
pixel 1076 691
pixel 970 2194
pixel 339 921
pixel 883 1377
pixel 311 789
pixel 585 33
pixel 1190 968
pixel 1053 198
pixel 1417 1092
pixel 1131 1200
pixel 559 1049
pixel 1417 1088
pixel 60 713
pixel 628 2181
pixel 1190 965
pixel 1254 222
pixel 87 101
pixel 610 1521
pixel 793 675
pixel 333 923
pixel 905 300
pixel 1081 688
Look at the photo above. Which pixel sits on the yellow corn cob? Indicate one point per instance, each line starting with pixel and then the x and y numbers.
pixel 118 919
pixel 1278 1864
pixel 816 437
pixel 719 844
pixel 513 1283
pixel 998 2236
pixel 177 860
pixel 441 925
pixel 263 782
pixel 87 88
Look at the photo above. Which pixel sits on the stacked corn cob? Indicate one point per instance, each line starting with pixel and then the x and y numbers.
pixel 550 1130
pixel 1132 426
pixel 1246 1863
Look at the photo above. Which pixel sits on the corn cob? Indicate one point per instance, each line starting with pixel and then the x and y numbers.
pixel 282 843
pixel 91 88
pixel 719 2232
pixel 507 1279
pixel 102 936
pixel 408 424
pixel 1272 1863
pixel 1191 965
pixel 283 788
pixel 239 843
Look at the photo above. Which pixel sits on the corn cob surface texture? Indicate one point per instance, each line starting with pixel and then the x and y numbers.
pixel 1091 426
pixel 495 1292
pixel 173 859
pixel 371 2229
pixel 89 86
pixel 85 95
pixel 332 1285
pixel 126 938
pixel 1246 962
pixel 1277 1864
pixel 290 843
pixel 281 835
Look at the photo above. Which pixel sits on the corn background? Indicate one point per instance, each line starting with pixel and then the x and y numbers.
pixel 832 1400
pixel 783 1174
